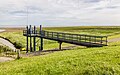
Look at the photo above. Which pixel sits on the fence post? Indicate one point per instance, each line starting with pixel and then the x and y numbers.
pixel 18 54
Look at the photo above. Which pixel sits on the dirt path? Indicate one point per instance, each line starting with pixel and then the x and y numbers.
pixel 4 59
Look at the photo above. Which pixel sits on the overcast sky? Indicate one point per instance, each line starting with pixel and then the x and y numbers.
pixel 60 12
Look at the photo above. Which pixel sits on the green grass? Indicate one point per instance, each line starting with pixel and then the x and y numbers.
pixel 79 61
pixel 92 30
pixel 87 61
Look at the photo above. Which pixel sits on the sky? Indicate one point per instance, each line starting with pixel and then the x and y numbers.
pixel 59 12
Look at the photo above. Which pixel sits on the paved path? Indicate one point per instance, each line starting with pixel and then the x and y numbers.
pixel 4 59
pixel 114 40
pixel 7 43
pixel 2 30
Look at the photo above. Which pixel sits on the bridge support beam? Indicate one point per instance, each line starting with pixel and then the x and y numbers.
pixel 60 45
pixel 27 40
pixel 34 39
pixel 41 45
pixel 41 39
pixel 30 39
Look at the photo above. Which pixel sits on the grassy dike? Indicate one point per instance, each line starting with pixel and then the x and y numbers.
pixel 79 61
pixel 92 61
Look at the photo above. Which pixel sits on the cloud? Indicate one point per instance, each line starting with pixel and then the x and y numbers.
pixel 59 12
pixel 92 1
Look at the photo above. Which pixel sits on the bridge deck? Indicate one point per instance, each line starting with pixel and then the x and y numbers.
pixel 78 39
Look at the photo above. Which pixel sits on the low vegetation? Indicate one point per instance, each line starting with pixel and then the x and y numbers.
pixel 5 50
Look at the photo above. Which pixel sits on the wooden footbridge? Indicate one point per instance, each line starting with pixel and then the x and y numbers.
pixel 78 39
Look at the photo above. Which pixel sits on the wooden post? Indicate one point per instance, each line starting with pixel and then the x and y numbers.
pixel 27 40
pixel 34 39
pixel 18 54
pixel 30 39
pixel 60 45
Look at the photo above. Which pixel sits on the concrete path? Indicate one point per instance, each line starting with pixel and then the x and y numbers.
pixel 114 40
pixel 2 30
pixel 4 59
pixel 7 43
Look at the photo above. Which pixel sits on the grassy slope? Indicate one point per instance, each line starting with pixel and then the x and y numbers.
pixel 105 60
pixel 92 61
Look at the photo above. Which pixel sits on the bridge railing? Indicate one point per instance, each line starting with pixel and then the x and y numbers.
pixel 68 37
pixel 76 37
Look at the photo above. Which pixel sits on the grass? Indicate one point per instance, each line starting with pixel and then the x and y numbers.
pixel 5 50
pixel 79 61
pixel 87 61
pixel 92 30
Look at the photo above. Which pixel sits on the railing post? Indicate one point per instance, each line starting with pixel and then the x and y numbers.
pixel 52 34
pixel 79 38
pixel 57 35
pixel 85 38
pixel 101 40
pixel 90 39
pixel 47 34
pixel 95 39
pixel 63 36
pixel 72 37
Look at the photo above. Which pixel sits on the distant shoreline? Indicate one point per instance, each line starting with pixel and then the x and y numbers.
pixel 23 26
